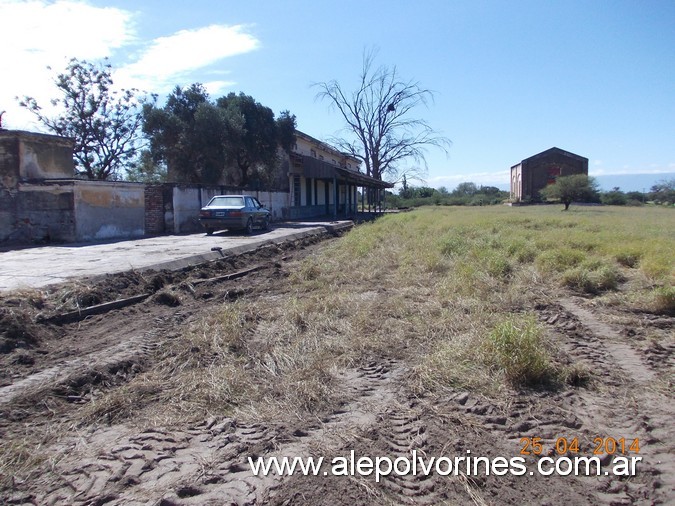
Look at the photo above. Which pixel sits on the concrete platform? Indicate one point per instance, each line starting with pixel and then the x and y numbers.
pixel 38 267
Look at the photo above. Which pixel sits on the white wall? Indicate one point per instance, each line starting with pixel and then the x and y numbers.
pixel 108 210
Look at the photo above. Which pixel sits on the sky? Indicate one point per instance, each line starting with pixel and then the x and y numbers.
pixel 510 78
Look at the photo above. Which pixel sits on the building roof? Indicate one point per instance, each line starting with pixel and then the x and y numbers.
pixel 326 147
pixel 556 151
pixel 324 170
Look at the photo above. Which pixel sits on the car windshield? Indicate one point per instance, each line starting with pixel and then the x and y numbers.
pixel 227 202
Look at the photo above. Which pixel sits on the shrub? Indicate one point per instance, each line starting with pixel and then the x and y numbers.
pixel 559 260
pixel 592 279
pixel 628 258
pixel 614 198
pixel 517 348
pixel 664 299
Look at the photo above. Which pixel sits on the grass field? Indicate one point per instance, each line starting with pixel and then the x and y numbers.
pixel 448 280
pixel 452 290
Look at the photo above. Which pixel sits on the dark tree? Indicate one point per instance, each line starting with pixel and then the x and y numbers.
pixel 186 134
pixel 381 129
pixel 614 198
pixel 105 123
pixel 568 189
pixel 663 191
pixel 254 148
pixel 145 170
pixel 464 189
pixel 201 141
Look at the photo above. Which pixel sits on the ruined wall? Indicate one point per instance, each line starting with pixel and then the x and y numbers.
pixel 186 202
pixel 108 210
pixel 44 212
pixel 28 156
pixel 45 157
pixel 277 202
pixel 25 209
pixel 154 209
pixel 9 181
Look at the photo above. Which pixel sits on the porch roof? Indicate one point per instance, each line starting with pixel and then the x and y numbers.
pixel 311 167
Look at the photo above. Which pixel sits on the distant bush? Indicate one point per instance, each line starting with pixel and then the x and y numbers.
pixel 614 198
pixel 466 194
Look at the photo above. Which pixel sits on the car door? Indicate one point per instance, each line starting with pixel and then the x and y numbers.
pixel 260 211
pixel 252 210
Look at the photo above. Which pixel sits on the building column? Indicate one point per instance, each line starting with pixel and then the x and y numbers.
pixel 336 197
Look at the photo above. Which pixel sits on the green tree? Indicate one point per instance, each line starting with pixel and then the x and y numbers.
pixel 567 189
pixel 465 189
pixel 636 196
pixel 663 191
pixel 381 129
pixel 255 148
pixel 188 135
pixel 145 170
pixel 489 190
pixel 615 197
pixel 201 141
pixel 425 191
pixel 105 123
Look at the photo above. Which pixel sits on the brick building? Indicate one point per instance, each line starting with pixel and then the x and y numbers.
pixel 533 174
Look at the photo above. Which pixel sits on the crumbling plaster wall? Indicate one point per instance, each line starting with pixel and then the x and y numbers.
pixel 108 210
pixel 26 157
pixel 45 212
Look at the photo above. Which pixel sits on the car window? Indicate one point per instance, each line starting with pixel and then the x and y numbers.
pixel 257 203
pixel 249 202
pixel 227 201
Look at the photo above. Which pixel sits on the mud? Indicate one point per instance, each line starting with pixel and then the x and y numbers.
pixel 48 370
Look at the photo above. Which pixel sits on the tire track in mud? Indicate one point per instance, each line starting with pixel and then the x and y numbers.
pixel 635 410
pixel 131 350
pixel 621 354
pixel 405 432
pixel 621 403
pixel 208 463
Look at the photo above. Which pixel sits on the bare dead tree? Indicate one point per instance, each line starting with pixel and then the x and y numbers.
pixel 381 131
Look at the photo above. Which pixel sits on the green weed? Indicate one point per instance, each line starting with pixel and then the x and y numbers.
pixel 517 348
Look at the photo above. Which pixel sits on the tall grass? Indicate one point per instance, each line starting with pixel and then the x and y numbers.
pixel 516 346
pixel 441 288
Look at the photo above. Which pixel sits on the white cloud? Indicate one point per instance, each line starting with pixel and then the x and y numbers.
pixel 41 33
pixel 38 33
pixel 628 170
pixel 216 88
pixel 63 29
pixel 171 59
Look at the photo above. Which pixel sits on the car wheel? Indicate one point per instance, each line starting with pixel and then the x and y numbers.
pixel 209 231
pixel 249 226
pixel 266 223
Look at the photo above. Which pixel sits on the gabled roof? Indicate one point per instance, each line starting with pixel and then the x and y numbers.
pixel 556 151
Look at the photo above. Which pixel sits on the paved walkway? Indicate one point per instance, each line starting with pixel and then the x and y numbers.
pixel 40 266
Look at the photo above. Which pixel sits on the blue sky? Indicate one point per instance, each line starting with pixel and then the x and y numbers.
pixel 511 78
